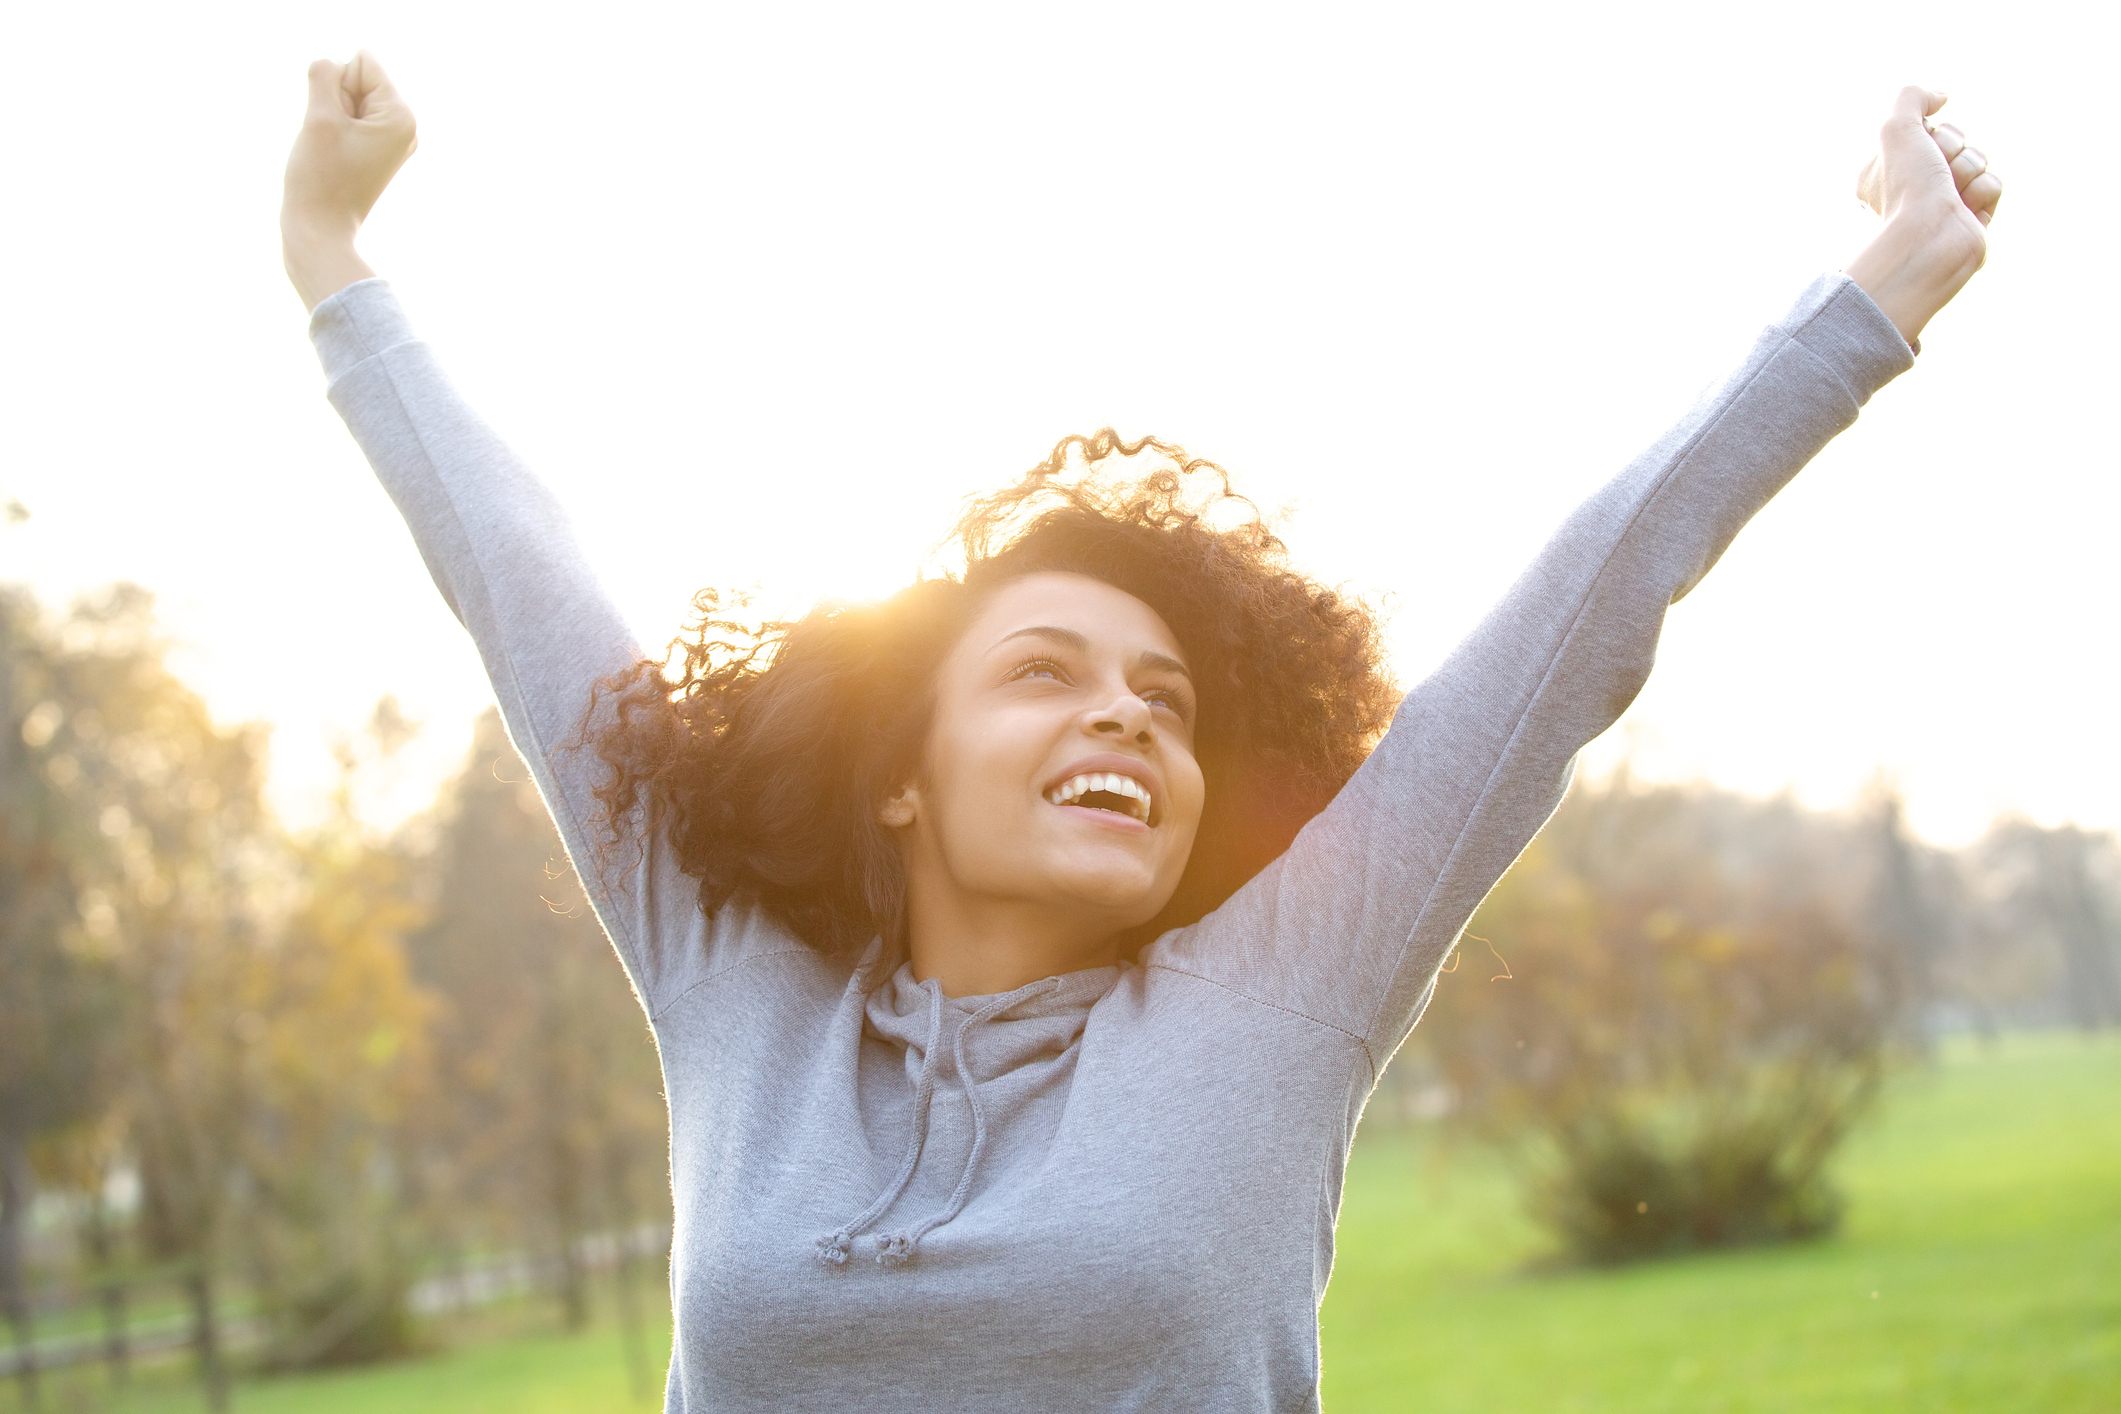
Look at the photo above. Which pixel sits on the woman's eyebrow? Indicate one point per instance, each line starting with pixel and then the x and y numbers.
pixel 1164 661
pixel 1066 637
pixel 1069 638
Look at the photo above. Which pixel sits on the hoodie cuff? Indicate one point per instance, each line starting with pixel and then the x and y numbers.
pixel 355 324
pixel 1836 322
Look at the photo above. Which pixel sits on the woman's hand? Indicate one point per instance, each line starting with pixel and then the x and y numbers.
pixel 1937 197
pixel 355 136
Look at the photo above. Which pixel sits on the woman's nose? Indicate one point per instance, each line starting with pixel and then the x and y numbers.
pixel 1126 716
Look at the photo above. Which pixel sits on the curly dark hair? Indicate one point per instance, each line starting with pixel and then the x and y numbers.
pixel 767 754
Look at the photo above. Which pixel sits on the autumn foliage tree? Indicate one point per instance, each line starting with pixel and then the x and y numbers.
pixel 216 1007
pixel 151 824
pixel 336 1043
pixel 326 1061
pixel 60 1001
pixel 547 1125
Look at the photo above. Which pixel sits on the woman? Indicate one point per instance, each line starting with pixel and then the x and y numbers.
pixel 1013 1036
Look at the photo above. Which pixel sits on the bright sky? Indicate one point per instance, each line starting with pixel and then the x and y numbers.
pixel 763 290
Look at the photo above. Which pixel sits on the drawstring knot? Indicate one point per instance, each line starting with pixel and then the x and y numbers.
pixel 833 1247
pixel 894 1251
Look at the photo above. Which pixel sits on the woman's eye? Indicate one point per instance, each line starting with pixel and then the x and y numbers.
pixel 1037 668
pixel 1173 702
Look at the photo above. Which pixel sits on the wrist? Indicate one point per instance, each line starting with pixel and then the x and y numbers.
pixel 317 227
pixel 318 253
pixel 1915 265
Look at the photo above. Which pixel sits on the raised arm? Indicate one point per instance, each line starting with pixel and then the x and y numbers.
pixel 497 543
pixel 1349 927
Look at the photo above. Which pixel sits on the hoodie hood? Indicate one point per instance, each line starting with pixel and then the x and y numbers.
pixel 973 1046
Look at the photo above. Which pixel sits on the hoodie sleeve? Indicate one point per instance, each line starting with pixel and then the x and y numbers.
pixel 1349 927
pixel 502 553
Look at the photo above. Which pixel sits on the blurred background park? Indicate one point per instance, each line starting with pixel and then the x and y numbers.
pixel 1781 1073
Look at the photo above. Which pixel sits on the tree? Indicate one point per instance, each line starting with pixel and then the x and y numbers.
pixel 191 996
pixel 2054 919
pixel 171 898
pixel 337 1060
pixel 60 1005
pixel 549 1119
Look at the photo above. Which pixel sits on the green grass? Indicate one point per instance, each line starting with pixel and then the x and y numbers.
pixel 1985 1215
pixel 532 1371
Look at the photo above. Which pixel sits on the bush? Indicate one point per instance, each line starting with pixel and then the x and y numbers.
pixel 1692 1013
pixel 347 1318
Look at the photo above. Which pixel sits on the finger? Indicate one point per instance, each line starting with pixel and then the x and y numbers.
pixel 326 97
pixel 1950 141
pixel 368 88
pixel 1981 195
pixel 1969 164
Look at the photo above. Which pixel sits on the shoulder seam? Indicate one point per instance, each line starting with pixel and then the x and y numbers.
pixel 664 1010
pixel 1367 1056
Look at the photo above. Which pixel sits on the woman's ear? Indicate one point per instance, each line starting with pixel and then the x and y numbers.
pixel 897 810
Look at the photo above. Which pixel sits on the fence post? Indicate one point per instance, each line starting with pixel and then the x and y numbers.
pixel 206 1336
pixel 14 1266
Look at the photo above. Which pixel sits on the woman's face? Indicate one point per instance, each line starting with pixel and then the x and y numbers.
pixel 1059 784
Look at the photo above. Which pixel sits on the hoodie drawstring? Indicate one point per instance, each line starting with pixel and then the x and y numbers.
pixel 898 1248
pixel 892 1251
pixel 832 1249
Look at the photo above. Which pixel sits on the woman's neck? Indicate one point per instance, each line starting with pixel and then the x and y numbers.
pixel 977 947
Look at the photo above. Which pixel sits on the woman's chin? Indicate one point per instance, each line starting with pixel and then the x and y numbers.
pixel 1119 897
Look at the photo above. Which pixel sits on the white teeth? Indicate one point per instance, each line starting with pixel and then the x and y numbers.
pixel 1109 782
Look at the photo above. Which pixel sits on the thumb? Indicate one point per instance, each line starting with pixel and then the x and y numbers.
pixel 326 92
pixel 1904 141
pixel 1915 103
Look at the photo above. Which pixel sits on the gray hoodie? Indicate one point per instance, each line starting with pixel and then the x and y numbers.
pixel 1114 1189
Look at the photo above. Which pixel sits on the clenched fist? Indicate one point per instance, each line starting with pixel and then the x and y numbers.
pixel 355 135
pixel 1937 196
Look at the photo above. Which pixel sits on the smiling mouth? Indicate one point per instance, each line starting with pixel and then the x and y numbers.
pixel 1104 790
